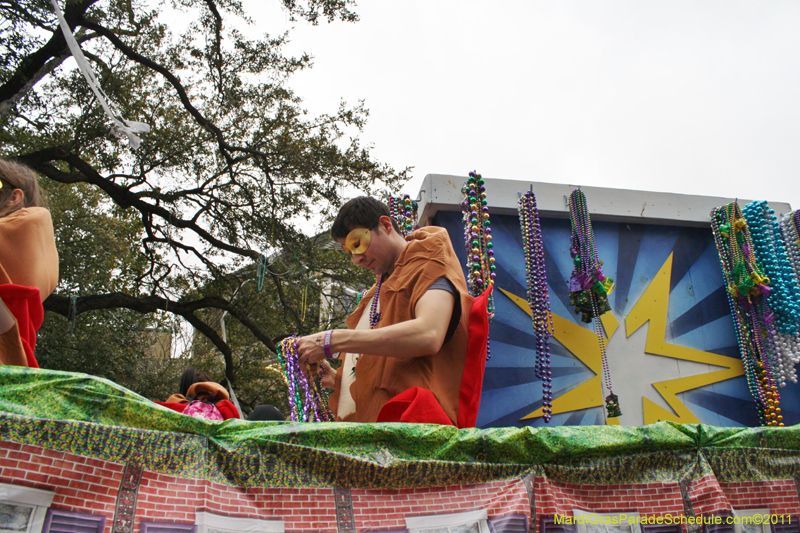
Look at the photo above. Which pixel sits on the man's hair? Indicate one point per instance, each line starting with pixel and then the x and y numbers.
pixel 361 212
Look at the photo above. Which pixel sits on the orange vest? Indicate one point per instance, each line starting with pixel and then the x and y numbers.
pixel 28 254
pixel 28 258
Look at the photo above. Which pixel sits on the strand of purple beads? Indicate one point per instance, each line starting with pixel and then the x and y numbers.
pixel 538 296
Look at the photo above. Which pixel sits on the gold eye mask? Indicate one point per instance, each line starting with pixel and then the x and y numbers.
pixel 357 241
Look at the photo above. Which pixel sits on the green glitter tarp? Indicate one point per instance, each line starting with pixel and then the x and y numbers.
pixel 94 417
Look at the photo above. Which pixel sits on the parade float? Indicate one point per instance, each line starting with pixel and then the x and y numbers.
pixel 687 306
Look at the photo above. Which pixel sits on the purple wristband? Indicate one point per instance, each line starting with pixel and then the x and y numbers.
pixel 327 345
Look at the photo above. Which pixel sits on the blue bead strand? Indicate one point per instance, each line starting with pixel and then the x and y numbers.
pixel 784 297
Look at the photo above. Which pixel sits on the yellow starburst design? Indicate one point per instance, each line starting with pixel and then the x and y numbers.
pixel 651 307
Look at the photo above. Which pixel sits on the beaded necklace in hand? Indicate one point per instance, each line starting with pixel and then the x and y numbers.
pixel 311 403
pixel 784 296
pixel 481 266
pixel 538 296
pixel 589 287
pixel 753 321
pixel 308 402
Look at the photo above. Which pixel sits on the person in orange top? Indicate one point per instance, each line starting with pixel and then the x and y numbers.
pixel 28 262
pixel 408 332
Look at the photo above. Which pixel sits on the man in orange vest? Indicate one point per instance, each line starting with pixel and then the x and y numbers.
pixel 410 330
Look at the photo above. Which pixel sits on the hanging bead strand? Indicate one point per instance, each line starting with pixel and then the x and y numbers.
pixel 790 230
pixel 538 296
pixel 790 235
pixel 481 266
pixel 589 287
pixel 747 289
pixel 784 296
pixel 374 313
pixel 404 211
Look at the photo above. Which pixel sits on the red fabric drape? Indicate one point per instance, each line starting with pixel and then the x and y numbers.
pixel 26 305
pixel 472 379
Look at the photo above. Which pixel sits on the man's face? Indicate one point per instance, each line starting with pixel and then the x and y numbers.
pixel 368 248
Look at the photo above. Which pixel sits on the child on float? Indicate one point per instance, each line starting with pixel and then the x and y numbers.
pixel 28 262
pixel 197 385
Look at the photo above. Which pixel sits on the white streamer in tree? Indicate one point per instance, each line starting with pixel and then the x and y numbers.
pixel 128 128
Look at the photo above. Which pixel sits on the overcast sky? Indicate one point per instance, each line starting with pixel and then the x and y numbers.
pixel 693 97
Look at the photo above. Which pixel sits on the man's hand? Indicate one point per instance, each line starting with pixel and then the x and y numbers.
pixel 311 349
